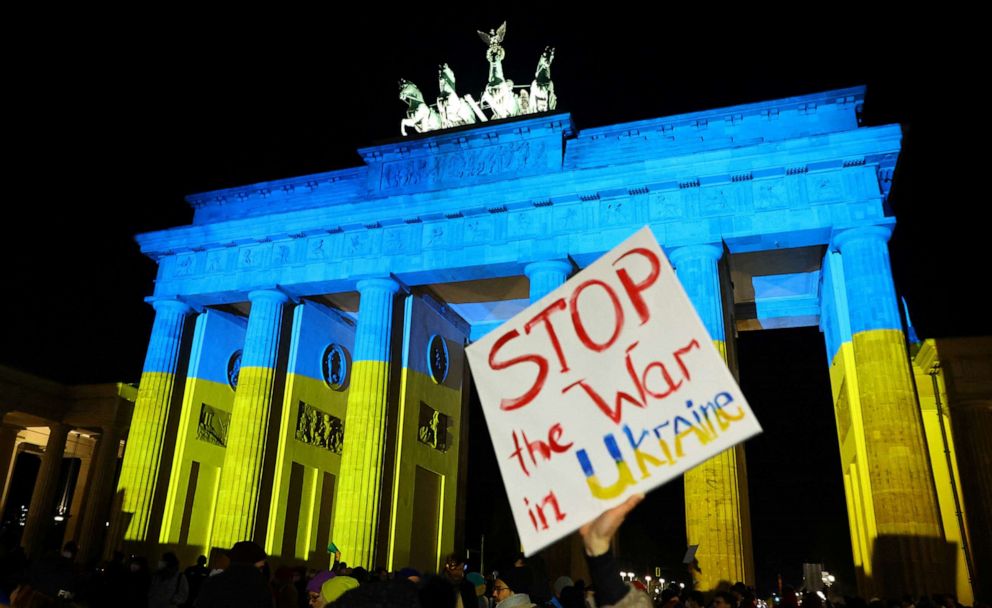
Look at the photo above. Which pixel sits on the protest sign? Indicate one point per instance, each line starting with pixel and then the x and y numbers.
pixel 606 387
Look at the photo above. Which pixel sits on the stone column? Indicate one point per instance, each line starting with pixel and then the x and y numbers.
pixel 908 552
pixel 42 508
pixel 357 511
pixel 92 529
pixel 716 510
pixel 8 443
pixel 139 472
pixel 240 477
pixel 546 276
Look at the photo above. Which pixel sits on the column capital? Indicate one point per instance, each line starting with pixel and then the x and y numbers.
pixel 377 284
pixel 272 295
pixel 170 305
pixel 873 233
pixel 701 250
pixel 559 266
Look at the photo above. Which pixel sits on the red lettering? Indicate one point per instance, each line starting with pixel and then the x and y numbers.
pixel 614 413
pixel 682 351
pixel 539 361
pixel 551 500
pixel 554 435
pixel 545 449
pixel 634 289
pixel 518 453
pixel 672 387
pixel 543 317
pixel 580 329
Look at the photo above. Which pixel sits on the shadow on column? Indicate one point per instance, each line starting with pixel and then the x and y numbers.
pixel 908 564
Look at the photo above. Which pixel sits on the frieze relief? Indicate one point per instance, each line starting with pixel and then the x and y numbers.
pixel 569 217
pixel 253 257
pixel 213 425
pixel 217 260
pixel 527 222
pixel 463 164
pixel 479 230
pixel 399 240
pixel 185 265
pixel 664 206
pixel 318 429
pixel 319 247
pixel 824 187
pixel 617 212
pixel 770 194
pixel 432 428
pixel 718 200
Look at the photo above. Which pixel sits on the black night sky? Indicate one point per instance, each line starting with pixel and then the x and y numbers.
pixel 109 128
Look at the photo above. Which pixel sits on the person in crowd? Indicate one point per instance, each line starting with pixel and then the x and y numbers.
pixel 242 584
pixel 396 593
pixel 168 588
pixel 137 583
pixel 381 574
pixel 284 589
pixel 437 592
pixel 572 597
pixel 560 583
pixel 725 599
pixel 314 586
pixel 510 589
pixel 334 588
pixel 410 574
pixel 195 575
pixel 479 584
pixel 596 537
pixel 694 599
pixel 454 573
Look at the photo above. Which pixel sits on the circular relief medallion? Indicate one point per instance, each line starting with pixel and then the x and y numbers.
pixel 437 358
pixel 334 367
pixel 234 369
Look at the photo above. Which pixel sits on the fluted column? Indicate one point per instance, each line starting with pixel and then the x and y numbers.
pixel 237 499
pixel 42 508
pixel 357 511
pixel 716 510
pixel 91 529
pixel 546 276
pixel 139 472
pixel 907 554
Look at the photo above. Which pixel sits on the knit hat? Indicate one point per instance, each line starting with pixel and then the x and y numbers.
pixel 517 579
pixel 561 582
pixel 478 582
pixel 336 587
pixel 318 580
pixel 407 573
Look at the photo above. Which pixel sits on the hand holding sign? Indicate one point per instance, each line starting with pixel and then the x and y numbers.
pixel 605 388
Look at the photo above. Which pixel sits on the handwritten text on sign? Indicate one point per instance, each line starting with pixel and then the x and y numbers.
pixel 608 386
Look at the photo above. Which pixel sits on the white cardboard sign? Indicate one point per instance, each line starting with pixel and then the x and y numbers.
pixel 606 387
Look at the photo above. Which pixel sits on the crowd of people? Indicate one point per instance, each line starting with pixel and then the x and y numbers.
pixel 241 577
